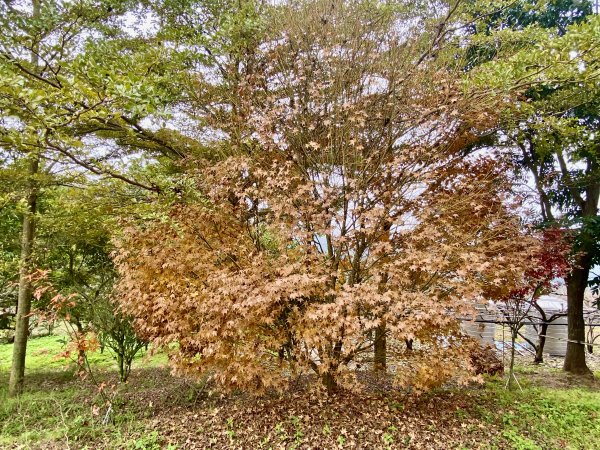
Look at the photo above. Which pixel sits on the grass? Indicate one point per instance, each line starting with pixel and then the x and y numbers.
pixel 57 405
pixel 44 416
pixel 545 418
pixel 43 354
pixel 59 410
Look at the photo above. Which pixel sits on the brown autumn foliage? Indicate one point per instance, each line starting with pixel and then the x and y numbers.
pixel 350 219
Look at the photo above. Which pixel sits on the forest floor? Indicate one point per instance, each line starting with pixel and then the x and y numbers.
pixel 155 410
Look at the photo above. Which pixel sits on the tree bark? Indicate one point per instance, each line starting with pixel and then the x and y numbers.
pixel 511 371
pixel 17 372
pixel 80 352
pixel 329 382
pixel 578 278
pixel 328 377
pixel 539 351
pixel 380 360
pixel 380 343
pixel 121 364
pixel 576 284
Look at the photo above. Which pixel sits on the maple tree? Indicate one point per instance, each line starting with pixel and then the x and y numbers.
pixel 347 218
pixel 547 263
pixel 550 264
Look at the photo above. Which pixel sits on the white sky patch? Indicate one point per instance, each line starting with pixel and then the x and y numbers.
pixel 140 23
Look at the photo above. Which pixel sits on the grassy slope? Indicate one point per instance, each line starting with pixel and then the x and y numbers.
pixel 543 417
pixel 57 410
pixel 57 405
pixel 43 355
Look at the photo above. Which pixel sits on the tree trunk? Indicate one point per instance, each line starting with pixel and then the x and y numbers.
pixel 121 363
pixel 328 377
pixel 576 284
pixel 128 360
pixel 539 351
pixel 511 372
pixel 17 372
pixel 329 382
pixel 80 351
pixel 380 360
pixel 578 278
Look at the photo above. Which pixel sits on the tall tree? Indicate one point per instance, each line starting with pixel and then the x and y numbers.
pixel 553 125
pixel 17 371
pixel 69 102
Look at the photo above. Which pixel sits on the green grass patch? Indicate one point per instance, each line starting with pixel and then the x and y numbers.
pixel 57 405
pixel 545 418
pixel 42 416
pixel 43 354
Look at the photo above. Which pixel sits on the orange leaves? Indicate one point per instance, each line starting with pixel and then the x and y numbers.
pixel 79 344
pixel 349 208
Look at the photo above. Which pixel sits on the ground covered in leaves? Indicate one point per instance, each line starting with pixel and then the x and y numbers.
pixel 155 410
